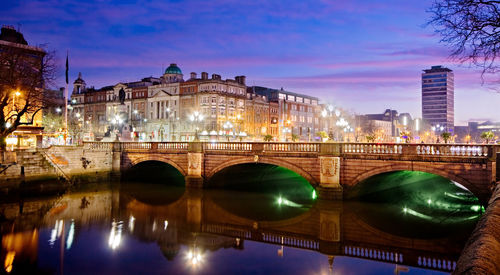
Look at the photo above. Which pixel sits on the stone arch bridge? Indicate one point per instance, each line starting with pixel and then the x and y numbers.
pixel 329 167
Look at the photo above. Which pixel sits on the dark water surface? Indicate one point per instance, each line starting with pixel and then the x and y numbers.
pixel 252 220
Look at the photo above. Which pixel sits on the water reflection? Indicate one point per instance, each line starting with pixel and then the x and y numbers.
pixel 118 229
pixel 399 202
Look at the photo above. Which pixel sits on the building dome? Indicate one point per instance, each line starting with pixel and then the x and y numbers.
pixel 79 80
pixel 173 69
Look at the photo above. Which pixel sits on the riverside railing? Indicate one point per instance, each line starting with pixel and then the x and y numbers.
pixel 338 149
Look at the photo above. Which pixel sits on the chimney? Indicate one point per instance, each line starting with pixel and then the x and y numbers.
pixel 215 76
pixel 243 80
pixel 204 75
pixel 237 78
pixel 193 75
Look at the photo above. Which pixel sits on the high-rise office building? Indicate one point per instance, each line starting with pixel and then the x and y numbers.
pixel 438 98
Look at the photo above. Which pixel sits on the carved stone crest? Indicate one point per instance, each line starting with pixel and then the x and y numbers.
pixel 194 164
pixel 330 171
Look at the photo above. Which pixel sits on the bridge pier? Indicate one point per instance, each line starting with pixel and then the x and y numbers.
pixel 116 161
pixel 329 187
pixel 194 178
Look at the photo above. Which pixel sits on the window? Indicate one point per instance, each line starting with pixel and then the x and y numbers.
pixel 290 97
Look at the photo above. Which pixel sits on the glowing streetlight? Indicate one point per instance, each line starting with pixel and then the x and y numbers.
pixel 196 117
pixel 115 236
pixel 194 258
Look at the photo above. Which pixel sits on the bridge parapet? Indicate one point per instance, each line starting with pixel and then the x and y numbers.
pixel 336 149
pixel 454 150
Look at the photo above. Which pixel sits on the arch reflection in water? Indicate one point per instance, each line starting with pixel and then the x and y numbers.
pixel 262 191
pixel 160 236
pixel 415 204
pixel 154 172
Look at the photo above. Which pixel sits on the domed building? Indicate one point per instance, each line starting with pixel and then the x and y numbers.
pixel 172 74
pixel 79 85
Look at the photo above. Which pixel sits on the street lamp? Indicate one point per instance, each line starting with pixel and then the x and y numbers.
pixel 196 117
pixel 227 125
pixel 288 129
pixel 16 94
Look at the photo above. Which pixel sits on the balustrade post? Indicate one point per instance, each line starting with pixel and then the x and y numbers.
pixel 257 148
pixel 331 149
pixel 154 146
pixel 409 150
pixel 493 150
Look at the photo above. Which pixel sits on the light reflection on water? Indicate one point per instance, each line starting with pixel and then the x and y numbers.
pixel 139 228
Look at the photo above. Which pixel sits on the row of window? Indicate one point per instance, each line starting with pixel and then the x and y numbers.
pixel 297 99
pixel 434 80
pixel 427 76
pixel 222 101
pixel 433 85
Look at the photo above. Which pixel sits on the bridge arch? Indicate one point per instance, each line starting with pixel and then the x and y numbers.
pixel 265 160
pixel 421 168
pixel 159 158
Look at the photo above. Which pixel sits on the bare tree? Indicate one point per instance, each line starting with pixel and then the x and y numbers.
pixel 24 74
pixel 471 28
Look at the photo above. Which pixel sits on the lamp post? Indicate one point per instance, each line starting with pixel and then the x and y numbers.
pixel 288 129
pixel 227 126
pixel 330 112
pixel 196 117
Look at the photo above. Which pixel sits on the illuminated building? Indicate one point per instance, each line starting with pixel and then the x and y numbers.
pixel 257 116
pixel 296 112
pixel 438 97
pixel 218 101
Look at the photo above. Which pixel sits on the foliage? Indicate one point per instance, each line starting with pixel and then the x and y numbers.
pixel 370 138
pixel 52 122
pixel 76 128
pixel 23 77
pixel 295 137
pixel 322 134
pixel 446 136
pixel 471 29
pixel 268 138
pixel 487 136
pixel 406 135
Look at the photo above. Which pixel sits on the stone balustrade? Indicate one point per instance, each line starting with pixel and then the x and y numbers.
pixel 338 149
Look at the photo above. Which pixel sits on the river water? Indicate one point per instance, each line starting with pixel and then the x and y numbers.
pixel 250 220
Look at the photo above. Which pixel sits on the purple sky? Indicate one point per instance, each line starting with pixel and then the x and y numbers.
pixel 360 55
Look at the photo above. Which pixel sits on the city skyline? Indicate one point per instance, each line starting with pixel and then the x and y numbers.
pixel 339 52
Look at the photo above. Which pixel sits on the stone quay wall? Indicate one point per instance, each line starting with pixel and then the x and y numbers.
pixel 54 162
pixel 481 254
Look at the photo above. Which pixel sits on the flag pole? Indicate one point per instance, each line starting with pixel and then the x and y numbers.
pixel 66 101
